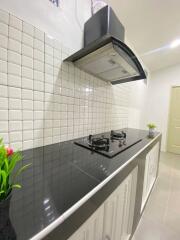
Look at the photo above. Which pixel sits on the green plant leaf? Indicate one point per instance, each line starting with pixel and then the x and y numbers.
pixel 4 176
pixel 19 171
pixel 16 186
pixel 16 157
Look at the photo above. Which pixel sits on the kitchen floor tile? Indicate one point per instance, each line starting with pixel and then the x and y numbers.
pixel 161 218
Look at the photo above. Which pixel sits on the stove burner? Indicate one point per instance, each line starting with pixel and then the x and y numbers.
pixel 100 143
pixel 109 144
pixel 118 135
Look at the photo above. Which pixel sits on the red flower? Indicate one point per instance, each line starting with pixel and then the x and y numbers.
pixel 9 151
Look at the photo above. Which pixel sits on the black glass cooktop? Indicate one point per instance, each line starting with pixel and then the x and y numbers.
pixel 109 144
pixel 60 175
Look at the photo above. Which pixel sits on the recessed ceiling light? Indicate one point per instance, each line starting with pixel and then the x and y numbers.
pixel 175 43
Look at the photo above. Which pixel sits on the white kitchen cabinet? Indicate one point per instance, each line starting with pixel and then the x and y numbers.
pixel 119 210
pixel 114 219
pixel 92 229
pixel 151 167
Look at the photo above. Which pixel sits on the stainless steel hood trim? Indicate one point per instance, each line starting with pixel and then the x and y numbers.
pixel 122 46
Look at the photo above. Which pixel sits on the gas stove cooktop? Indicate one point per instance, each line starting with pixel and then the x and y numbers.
pixel 109 144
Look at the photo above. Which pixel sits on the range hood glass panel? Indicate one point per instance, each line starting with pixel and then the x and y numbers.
pixel 108 64
pixel 115 74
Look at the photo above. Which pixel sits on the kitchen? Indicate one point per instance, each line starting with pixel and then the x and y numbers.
pixel 84 133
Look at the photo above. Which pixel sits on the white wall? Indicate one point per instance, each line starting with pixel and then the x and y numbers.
pixel 64 23
pixel 156 105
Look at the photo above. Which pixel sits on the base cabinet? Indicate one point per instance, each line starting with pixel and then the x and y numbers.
pixel 92 229
pixel 119 210
pixel 151 168
pixel 113 220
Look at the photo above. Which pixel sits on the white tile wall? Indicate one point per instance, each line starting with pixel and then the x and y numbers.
pixel 42 99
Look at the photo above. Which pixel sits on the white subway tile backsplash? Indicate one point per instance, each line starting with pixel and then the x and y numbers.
pixel 3 103
pixel 3 41
pixel 38 96
pixel 49 88
pixel 14 69
pixel 3 115
pixel 38 142
pixel 3 66
pixel 27 115
pixel 38 86
pixel 3 54
pixel 49 59
pixel 3 29
pixel 3 126
pixel 38 124
pixel 14 92
pixel 3 91
pixel 38 115
pixel 48 50
pixel 15 136
pixel 14 45
pixel 27 125
pixel 49 69
pixel 39 45
pixel 27 62
pixel 15 22
pixel 38 106
pixel 27 144
pixel 27 72
pixel 27 50
pixel 27 94
pixel 27 83
pixel 16 145
pixel 38 76
pixel 15 125
pixel 27 104
pixel 14 57
pixel 38 34
pixel 15 115
pixel 38 66
pixel 4 17
pixel 27 135
pixel 39 133
pixel 49 78
pixel 5 137
pixel 27 39
pixel 14 81
pixel 15 104
pixel 28 29
pixel 42 99
pixel 15 34
pixel 38 55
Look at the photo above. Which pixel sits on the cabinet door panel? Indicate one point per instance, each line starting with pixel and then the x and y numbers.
pixel 119 212
pixel 92 229
pixel 151 167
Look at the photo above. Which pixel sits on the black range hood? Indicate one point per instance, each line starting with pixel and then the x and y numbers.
pixel 105 55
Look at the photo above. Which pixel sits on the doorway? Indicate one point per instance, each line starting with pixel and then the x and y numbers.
pixel 173 143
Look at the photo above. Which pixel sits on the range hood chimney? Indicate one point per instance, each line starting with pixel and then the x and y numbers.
pixel 105 55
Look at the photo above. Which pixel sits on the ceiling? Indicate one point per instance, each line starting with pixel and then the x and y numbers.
pixel 150 27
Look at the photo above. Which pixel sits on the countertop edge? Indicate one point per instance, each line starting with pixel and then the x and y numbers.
pixel 83 200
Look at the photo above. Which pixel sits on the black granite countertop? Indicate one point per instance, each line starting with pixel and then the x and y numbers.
pixel 60 175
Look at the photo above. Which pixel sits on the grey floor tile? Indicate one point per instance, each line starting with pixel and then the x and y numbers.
pixel 161 218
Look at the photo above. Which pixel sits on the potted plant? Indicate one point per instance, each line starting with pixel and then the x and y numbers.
pixel 8 161
pixel 151 127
